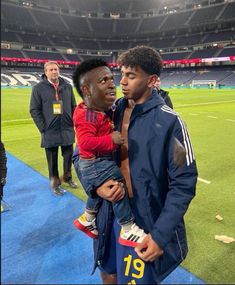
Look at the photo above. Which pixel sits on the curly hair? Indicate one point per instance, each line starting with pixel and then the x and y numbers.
pixel 83 68
pixel 145 57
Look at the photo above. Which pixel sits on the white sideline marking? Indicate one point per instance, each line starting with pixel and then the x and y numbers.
pixel 208 103
pixel 15 120
pixel 212 117
pixel 230 120
pixel 203 180
pixel 192 114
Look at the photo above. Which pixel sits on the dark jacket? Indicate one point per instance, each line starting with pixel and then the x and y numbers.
pixel 166 97
pixel 3 166
pixel 162 190
pixel 56 130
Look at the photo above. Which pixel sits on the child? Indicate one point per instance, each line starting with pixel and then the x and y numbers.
pixel 96 140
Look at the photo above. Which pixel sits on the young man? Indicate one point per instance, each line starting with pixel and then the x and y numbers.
pixel 158 164
pixel 96 141
pixel 163 93
pixel 51 107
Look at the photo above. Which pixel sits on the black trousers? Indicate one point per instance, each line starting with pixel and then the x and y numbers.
pixel 52 161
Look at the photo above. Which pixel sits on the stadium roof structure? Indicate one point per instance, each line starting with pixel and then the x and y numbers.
pixel 116 18
pixel 99 25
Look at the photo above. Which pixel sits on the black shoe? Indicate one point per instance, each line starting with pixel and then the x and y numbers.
pixel 55 182
pixel 72 184
pixel 58 191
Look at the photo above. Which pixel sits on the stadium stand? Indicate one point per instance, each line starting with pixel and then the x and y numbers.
pixel 11 53
pixel 43 55
pixel 175 55
pixel 74 23
pixel 205 53
pixel 187 33
pixel 227 51
pixel 205 15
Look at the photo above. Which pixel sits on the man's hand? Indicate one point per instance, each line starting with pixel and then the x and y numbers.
pixel 148 250
pixel 111 191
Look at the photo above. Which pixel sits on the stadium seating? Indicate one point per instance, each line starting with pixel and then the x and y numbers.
pixel 74 30
pixel 228 12
pixel 11 53
pixel 205 53
pixel 59 18
pixel 227 51
pixel 76 23
pixel 205 15
pixel 43 55
pixel 176 20
pixel 176 55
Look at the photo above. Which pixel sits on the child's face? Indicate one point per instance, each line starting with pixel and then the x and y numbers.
pixel 101 89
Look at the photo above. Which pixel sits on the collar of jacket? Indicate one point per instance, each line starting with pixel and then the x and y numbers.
pixel 44 79
pixel 154 100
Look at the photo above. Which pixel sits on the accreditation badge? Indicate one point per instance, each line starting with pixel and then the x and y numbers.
pixel 57 107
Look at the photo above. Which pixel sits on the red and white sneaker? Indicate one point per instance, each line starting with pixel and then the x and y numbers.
pixel 89 228
pixel 132 237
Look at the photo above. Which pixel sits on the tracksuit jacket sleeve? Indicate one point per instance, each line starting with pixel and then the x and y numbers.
pixel 36 110
pixel 182 184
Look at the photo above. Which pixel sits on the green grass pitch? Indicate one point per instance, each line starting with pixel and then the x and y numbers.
pixel 210 117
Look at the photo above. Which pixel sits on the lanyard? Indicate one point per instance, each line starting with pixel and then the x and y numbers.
pixel 56 86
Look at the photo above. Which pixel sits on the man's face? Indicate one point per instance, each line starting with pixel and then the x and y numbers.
pixel 99 89
pixel 136 84
pixel 158 83
pixel 52 72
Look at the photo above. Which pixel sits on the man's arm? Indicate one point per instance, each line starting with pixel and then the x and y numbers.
pixel 36 110
pixel 111 190
pixel 182 172
pixel 182 184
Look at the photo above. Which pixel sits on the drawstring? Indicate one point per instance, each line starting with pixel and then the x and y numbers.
pixel 113 108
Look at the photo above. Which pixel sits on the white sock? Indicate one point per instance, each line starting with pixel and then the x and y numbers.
pixel 90 215
pixel 127 227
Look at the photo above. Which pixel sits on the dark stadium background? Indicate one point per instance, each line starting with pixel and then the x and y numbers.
pixel 196 38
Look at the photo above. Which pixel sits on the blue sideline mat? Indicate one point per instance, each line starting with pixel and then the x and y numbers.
pixel 39 242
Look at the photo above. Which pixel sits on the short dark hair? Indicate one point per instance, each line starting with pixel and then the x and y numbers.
pixel 83 68
pixel 145 57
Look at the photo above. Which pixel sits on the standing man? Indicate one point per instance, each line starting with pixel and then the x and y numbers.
pixel 158 164
pixel 163 93
pixel 52 106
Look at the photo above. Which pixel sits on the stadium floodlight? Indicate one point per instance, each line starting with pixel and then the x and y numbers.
pixel 114 15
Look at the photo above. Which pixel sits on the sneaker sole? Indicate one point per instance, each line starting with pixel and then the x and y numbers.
pixel 82 228
pixel 126 242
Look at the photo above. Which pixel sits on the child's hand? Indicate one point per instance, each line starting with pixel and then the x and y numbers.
pixel 117 138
